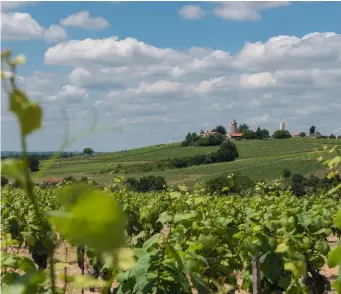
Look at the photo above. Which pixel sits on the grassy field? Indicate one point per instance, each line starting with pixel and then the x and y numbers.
pixel 258 160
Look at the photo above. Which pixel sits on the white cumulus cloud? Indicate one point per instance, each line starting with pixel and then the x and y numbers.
pixel 83 20
pixel 191 12
pixel 19 26
pixel 70 94
pixel 55 33
pixel 245 10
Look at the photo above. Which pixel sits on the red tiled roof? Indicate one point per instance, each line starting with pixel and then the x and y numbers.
pixel 237 135
pixel 52 180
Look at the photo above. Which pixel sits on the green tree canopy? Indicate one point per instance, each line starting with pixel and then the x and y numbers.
pixel 88 151
pixel 220 129
pixel 243 127
pixel 249 134
pixel 312 130
pixel 281 134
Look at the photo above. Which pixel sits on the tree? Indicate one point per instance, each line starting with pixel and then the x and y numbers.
pixel 33 164
pixel 281 134
pixel 243 127
pixel 88 151
pixel 332 136
pixel 258 133
pixel 220 130
pixel 265 134
pixel 312 130
pixel 249 134
pixel 190 139
pixel 302 134
pixel 210 140
pixel 226 152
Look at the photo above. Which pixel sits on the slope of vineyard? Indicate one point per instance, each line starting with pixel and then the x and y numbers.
pixel 259 159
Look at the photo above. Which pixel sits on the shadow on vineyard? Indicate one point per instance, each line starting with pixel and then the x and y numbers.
pixel 228 235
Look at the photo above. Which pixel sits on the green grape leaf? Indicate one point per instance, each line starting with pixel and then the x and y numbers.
pixel 29 113
pixel 338 219
pixel 297 267
pixel 28 237
pixel 151 241
pixel 96 221
pixel 170 249
pixel 334 257
pixel 199 284
pixel 164 218
pixel 87 281
pixel 69 195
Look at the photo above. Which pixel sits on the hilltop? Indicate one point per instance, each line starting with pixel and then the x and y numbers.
pixel 259 159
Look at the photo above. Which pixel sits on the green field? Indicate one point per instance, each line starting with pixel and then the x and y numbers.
pixel 258 159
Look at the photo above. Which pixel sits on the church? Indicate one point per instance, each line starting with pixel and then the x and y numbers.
pixel 234 132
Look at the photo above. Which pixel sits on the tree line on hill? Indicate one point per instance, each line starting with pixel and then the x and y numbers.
pixel 226 152
pixel 192 139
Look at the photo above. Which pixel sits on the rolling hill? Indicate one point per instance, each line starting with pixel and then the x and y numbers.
pixel 259 159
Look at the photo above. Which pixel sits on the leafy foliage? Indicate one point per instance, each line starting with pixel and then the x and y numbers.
pixel 220 130
pixel 88 151
pixel 312 130
pixel 281 134
pixel 147 184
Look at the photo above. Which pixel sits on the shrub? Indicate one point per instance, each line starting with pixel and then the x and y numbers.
pixel 146 184
pixel 69 179
pixel 190 139
pixel 286 174
pixel 249 134
pixel 241 184
pixel 214 140
pixel 297 184
pixel 196 159
pixel 281 134
pixel 179 162
pixel 227 152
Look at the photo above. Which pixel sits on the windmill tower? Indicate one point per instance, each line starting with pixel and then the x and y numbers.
pixel 281 125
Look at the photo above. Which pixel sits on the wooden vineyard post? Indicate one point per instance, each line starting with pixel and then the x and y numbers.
pixel 256 280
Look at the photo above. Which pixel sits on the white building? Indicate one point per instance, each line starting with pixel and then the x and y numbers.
pixel 282 125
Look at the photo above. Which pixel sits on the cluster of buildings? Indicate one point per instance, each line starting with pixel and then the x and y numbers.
pixel 233 134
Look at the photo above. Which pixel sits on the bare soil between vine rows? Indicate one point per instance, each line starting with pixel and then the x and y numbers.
pixel 72 269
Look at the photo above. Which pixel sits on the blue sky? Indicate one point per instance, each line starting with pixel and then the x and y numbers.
pixel 160 69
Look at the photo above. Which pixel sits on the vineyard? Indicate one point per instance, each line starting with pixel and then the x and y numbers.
pixel 179 241
pixel 265 240
pixel 258 159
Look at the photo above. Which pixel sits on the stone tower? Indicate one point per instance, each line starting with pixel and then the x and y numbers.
pixel 234 127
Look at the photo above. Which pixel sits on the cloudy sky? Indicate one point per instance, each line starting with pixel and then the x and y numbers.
pixel 159 70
